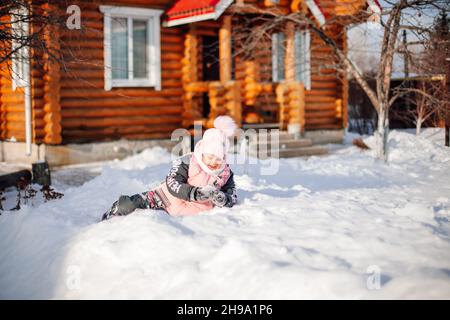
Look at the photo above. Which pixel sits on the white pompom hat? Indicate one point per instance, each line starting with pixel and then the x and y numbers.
pixel 215 140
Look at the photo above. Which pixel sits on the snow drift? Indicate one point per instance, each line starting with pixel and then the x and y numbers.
pixel 341 226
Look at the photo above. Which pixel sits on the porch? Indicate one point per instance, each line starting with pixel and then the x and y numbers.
pixel 242 89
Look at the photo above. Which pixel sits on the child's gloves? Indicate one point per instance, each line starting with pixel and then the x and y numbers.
pixel 219 198
pixel 202 193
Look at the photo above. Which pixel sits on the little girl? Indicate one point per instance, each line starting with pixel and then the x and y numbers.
pixel 196 182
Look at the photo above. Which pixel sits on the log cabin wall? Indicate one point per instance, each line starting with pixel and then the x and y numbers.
pixel 252 69
pixel 266 100
pixel 325 90
pixel 12 112
pixel 12 102
pixel 326 102
pixel 89 112
pixel 326 87
pixel 69 102
pixel 12 118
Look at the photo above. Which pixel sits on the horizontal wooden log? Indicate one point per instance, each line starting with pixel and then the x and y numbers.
pixel 99 113
pixel 326 71
pixel 83 64
pixel 12 101
pixel 324 85
pixel 322 92
pixel 18 127
pixel 129 121
pixel 321 114
pixel 81 53
pixel 121 102
pixel 169 56
pixel 92 69
pixel 197 87
pixel 98 82
pixel 330 120
pixel 94 6
pixel 318 98
pixel 170 47
pixel 172 37
pixel 320 106
pixel 322 126
pixel 118 132
pixel 37 113
pixel 7 93
pixel 85 44
pixel 144 136
pixel 117 92
pixel 19 136
pixel 321 77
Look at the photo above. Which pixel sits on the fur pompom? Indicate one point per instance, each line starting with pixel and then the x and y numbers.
pixel 225 124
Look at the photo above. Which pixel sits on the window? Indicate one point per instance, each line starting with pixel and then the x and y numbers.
pixel 278 57
pixel 303 58
pixel 20 50
pixel 132 47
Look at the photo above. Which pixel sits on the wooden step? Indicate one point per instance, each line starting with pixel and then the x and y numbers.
pixel 294 152
pixel 257 126
pixel 283 144
pixel 282 137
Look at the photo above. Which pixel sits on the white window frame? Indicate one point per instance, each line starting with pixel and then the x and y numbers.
pixel 20 64
pixel 275 46
pixel 152 16
pixel 302 43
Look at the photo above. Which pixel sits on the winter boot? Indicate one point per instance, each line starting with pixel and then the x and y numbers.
pixel 125 205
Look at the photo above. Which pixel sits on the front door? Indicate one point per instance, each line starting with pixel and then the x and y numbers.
pixel 210 66
pixel 210 58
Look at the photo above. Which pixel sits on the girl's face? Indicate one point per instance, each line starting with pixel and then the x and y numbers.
pixel 211 161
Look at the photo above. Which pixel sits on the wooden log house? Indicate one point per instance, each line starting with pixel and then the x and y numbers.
pixel 138 69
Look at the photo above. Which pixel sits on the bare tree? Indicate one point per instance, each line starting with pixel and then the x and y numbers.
pixel 24 25
pixel 427 93
pixel 426 101
pixel 397 15
pixel 26 28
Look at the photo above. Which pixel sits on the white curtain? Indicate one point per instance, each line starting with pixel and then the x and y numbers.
pixel 140 49
pixel 278 54
pixel 119 48
pixel 303 58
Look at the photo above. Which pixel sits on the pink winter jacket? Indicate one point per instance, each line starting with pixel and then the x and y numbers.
pixel 185 175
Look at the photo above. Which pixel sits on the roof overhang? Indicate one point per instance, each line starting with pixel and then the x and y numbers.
pixel 189 11
pixel 316 10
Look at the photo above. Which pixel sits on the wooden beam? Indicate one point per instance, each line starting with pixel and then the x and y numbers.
pixel 233 102
pixel 190 76
pixel 225 49
pixel 52 85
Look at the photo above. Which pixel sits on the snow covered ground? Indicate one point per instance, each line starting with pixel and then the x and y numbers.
pixel 342 226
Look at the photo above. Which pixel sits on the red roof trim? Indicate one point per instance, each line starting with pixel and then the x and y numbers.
pixel 191 8
pixel 378 4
